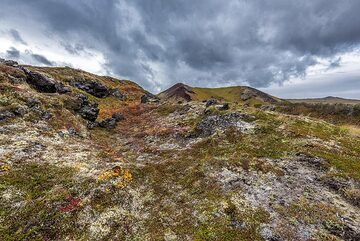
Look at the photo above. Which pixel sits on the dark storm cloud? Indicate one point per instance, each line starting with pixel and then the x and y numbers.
pixel 42 59
pixel 16 36
pixel 74 49
pixel 12 53
pixel 203 42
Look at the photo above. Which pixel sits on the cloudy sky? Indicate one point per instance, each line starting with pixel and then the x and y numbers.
pixel 290 48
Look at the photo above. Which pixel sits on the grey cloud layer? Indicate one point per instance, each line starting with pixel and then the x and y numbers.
pixel 203 42
pixel 16 36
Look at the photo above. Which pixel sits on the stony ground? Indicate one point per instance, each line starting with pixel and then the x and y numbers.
pixel 164 170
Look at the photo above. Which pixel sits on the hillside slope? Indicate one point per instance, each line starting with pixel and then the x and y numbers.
pixel 84 157
pixel 241 94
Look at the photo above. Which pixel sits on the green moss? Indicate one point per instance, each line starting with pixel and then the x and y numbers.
pixel 38 217
pixel 317 129
pixel 348 164
pixel 238 225
pixel 9 97
pixel 36 179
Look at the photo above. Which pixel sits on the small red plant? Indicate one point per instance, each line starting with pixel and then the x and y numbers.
pixel 71 204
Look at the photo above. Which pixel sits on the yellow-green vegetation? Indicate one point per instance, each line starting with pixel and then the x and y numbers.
pixel 167 109
pixel 352 129
pixel 235 225
pixel 230 94
pixel 233 94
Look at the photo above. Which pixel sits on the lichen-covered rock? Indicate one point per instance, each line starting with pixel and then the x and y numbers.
pixel 10 113
pixel 210 124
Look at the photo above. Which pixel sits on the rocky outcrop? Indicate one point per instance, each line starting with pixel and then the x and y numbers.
pixel 43 83
pixel 96 89
pixel 9 62
pixel 92 87
pixel 225 106
pixel 117 93
pixel 211 102
pixel 111 123
pixel 88 111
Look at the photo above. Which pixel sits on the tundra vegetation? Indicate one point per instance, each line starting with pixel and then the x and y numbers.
pixel 87 157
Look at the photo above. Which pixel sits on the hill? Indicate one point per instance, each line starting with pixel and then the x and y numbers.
pixel 240 94
pixel 326 100
pixel 87 157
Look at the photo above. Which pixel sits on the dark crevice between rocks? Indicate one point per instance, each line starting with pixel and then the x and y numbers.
pixel 149 98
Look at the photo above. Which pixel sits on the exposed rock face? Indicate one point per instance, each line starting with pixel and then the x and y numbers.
pixel 116 93
pixel 109 123
pixel 178 92
pixel 94 88
pixel 40 82
pixel 43 83
pixel 210 124
pixel 9 62
pixel 88 111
